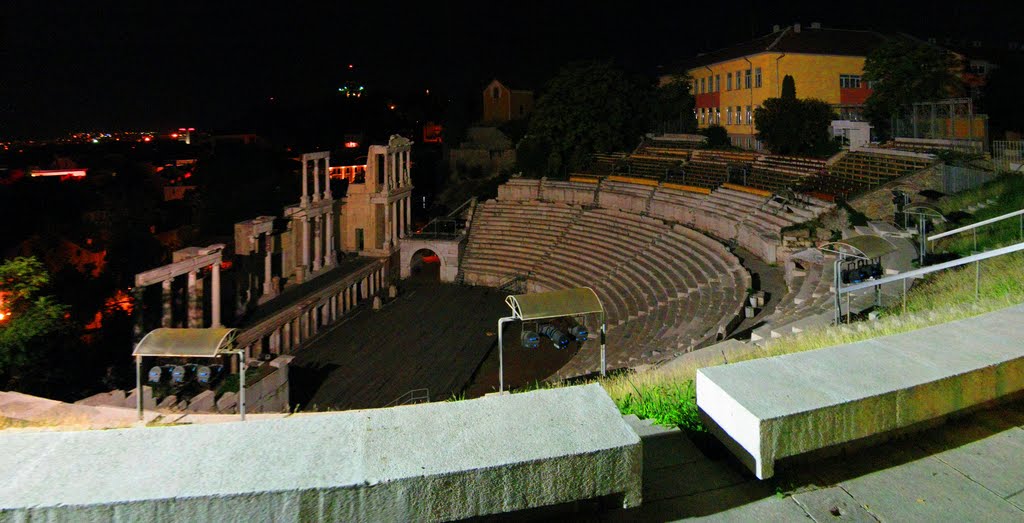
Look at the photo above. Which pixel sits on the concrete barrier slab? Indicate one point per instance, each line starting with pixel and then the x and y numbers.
pixel 777 407
pixel 437 461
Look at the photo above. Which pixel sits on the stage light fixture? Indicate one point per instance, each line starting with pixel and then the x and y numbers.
pixel 579 332
pixel 156 374
pixel 558 338
pixel 529 339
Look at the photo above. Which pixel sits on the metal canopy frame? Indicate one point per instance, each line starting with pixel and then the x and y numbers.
pixel 864 247
pixel 923 211
pixel 538 306
pixel 189 343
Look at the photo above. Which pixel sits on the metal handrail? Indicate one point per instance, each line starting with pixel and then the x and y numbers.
pixel 976 225
pixel 974 258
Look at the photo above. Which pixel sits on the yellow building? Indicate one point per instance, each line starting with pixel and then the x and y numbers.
pixel 827 64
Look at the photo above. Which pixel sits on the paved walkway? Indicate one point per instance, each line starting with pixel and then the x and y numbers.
pixel 968 469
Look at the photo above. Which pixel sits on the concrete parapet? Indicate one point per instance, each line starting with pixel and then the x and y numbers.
pixel 430 462
pixel 784 406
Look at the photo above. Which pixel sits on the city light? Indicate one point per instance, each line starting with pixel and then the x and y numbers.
pixel 351 145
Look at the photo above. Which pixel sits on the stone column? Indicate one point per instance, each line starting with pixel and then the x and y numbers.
pixel 317 244
pixel 305 242
pixel 190 300
pixel 138 301
pixel 167 314
pixel 394 219
pixel 215 295
pixel 304 199
pixel 316 180
pixel 274 341
pixel 286 338
pixel 331 258
pixel 403 218
pixel 327 180
pixel 268 283
pixel 408 212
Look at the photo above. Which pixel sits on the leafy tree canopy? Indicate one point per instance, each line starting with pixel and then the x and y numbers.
pixel 904 71
pixel 28 317
pixel 788 125
pixel 588 107
pixel 673 106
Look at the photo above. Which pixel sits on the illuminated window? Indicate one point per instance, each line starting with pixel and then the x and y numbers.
pixel 728 82
pixel 849 81
pixel 757 77
pixel 739 115
pixel 750 116
pixel 746 80
pixel 718 115
pixel 728 115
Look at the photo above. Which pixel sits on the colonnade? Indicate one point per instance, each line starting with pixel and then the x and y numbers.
pixel 188 262
pixel 290 328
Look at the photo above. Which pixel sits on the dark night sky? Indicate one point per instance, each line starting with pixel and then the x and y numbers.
pixel 157 65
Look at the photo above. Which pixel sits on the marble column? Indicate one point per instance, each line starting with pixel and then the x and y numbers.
pixel 138 300
pixel 331 259
pixel 317 252
pixel 394 220
pixel 215 295
pixel 286 338
pixel 166 309
pixel 316 180
pixel 305 242
pixel 304 199
pixel 268 283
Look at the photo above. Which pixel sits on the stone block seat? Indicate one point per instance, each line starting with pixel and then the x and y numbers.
pixel 774 408
pixel 666 288
pixel 439 461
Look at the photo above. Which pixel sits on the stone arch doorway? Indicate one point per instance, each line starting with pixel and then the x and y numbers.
pixel 425 264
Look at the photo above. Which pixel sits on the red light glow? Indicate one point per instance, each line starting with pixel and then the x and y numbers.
pixel 174 135
pixel 351 145
pixel 431 259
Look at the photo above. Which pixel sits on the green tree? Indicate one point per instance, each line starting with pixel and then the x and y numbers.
pixel 903 71
pixel 589 107
pixel 673 106
pixel 718 137
pixel 788 125
pixel 28 318
pixel 788 88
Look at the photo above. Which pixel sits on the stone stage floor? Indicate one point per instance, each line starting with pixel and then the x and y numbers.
pixel 434 336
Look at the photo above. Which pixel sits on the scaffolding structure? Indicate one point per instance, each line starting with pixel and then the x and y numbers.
pixel 942 124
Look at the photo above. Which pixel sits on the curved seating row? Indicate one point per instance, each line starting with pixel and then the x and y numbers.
pixel 665 289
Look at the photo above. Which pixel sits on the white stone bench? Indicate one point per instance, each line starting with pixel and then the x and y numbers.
pixel 784 406
pixel 431 462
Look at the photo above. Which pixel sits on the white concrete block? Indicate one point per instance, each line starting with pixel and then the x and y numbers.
pixel 777 407
pixel 429 462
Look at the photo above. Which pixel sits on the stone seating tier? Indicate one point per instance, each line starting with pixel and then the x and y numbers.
pixel 664 288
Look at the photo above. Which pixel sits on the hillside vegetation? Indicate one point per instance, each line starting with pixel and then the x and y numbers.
pixel 666 394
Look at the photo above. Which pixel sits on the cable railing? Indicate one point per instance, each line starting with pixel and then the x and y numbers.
pixel 917 273
pixel 411 397
pixel 974 227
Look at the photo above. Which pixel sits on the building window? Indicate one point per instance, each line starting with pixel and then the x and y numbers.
pixel 750 116
pixel 359 239
pixel 495 93
pixel 739 74
pixel 746 80
pixel 739 115
pixel 703 85
pixel 718 82
pixel 757 77
pixel 849 81
pixel 728 115
pixel 711 84
pixel 728 82
pixel 718 116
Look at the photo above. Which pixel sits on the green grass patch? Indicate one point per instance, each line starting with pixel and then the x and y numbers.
pixel 670 405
